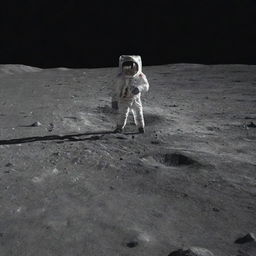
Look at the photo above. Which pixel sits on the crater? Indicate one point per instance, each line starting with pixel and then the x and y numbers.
pixel 132 244
pixel 176 159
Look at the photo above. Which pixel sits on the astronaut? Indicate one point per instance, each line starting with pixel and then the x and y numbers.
pixel 128 85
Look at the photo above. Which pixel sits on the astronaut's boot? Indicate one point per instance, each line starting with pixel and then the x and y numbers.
pixel 118 129
pixel 141 130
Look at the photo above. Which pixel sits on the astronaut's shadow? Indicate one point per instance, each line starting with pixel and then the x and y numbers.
pixel 58 138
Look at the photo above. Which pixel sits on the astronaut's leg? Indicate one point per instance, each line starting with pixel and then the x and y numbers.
pixel 124 109
pixel 134 114
pixel 138 114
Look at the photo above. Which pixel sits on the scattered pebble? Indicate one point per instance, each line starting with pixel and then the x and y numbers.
pixel 9 165
pixel 246 239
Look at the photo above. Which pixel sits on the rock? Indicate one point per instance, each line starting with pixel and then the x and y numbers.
pixel 193 251
pixel 251 125
pixel 246 239
pixel 132 244
pixel 50 127
pixel 36 124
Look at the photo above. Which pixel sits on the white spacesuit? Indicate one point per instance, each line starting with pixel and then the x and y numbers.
pixel 127 89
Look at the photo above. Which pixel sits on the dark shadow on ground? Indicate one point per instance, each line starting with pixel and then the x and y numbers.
pixel 151 119
pixel 63 138
pixel 68 137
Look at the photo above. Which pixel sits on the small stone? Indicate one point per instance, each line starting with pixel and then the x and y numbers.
pixel 215 209
pixel 132 244
pixel 246 239
pixel 50 127
pixel 56 154
pixel 36 124
pixel 251 125
pixel 193 251
pixel 9 165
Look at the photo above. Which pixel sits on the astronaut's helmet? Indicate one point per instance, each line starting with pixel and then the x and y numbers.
pixel 129 68
pixel 130 65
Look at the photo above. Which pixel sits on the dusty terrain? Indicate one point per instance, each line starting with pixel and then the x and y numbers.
pixel 68 186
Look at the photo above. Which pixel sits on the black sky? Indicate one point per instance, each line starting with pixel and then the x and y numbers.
pixel 93 34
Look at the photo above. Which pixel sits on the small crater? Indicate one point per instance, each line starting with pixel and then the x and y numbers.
pixel 74 118
pixel 176 159
pixel 132 244
pixel 121 138
pixel 155 142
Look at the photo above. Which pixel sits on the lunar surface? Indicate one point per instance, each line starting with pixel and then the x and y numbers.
pixel 71 187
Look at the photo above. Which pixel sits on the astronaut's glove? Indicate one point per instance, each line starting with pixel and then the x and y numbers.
pixel 135 90
pixel 115 105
